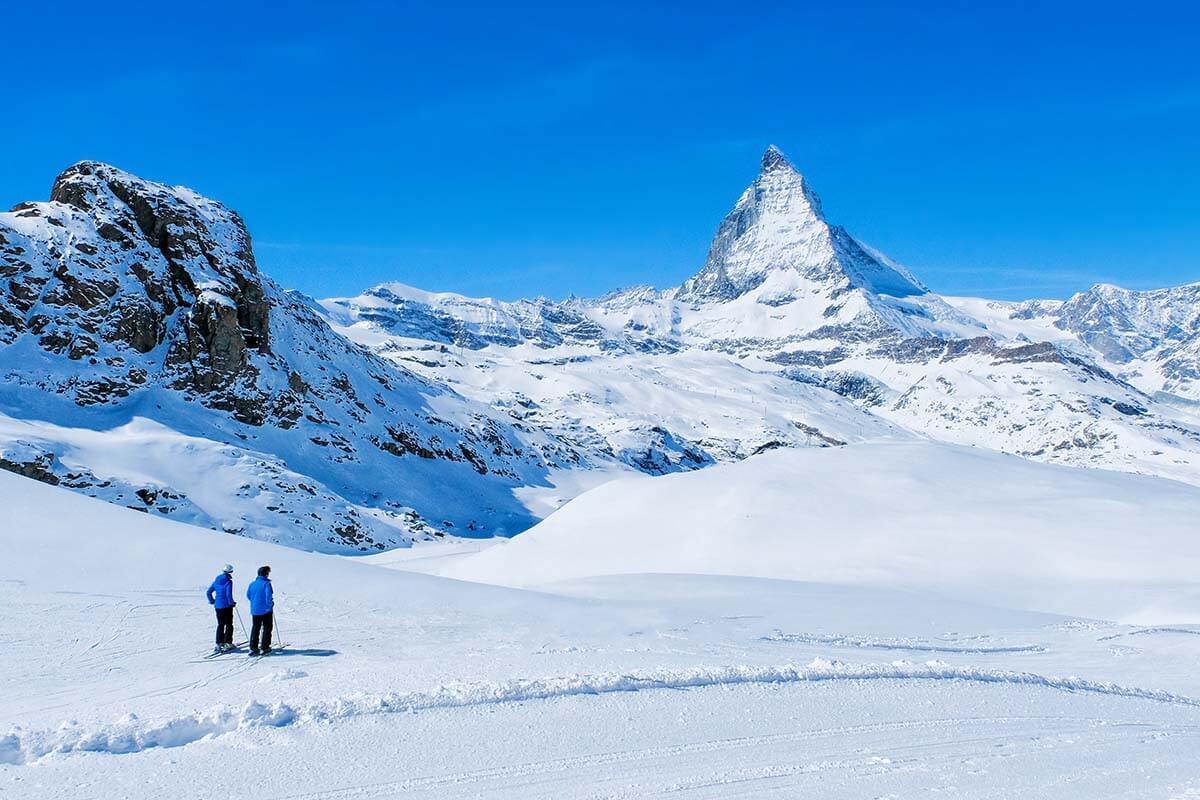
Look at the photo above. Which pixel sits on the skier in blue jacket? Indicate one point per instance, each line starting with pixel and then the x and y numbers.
pixel 262 610
pixel 220 597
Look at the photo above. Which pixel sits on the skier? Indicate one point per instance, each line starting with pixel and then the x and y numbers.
pixel 262 611
pixel 220 597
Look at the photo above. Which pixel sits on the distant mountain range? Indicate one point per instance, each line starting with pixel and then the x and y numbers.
pixel 147 361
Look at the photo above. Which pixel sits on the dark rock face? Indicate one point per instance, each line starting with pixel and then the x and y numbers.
pixel 39 468
pixel 197 243
pixel 125 266
pixel 851 385
pixel 809 358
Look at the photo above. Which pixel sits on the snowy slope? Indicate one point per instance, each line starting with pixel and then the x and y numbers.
pixel 398 684
pixel 966 523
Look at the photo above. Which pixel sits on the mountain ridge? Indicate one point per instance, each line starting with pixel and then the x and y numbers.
pixel 148 361
pixel 914 357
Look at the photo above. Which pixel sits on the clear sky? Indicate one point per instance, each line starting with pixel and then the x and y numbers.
pixel 513 150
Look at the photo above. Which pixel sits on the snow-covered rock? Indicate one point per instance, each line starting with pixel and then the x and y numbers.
pixel 1150 338
pixel 777 226
pixel 133 312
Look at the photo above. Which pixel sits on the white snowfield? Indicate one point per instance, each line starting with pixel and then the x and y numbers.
pixel 853 682
pixel 964 522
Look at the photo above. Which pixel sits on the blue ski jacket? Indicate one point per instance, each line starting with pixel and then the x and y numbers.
pixel 261 596
pixel 220 593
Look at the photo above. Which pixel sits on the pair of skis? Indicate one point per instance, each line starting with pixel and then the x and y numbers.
pixel 236 649
pixel 270 652
pixel 216 653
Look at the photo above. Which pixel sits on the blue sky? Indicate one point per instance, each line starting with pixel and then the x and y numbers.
pixel 513 150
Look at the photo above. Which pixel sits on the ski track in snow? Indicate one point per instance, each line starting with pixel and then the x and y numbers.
pixel 574 764
pixel 131 734
pixel 1148 631
pixel 870 643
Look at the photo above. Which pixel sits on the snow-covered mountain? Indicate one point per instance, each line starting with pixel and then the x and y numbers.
pixel 712 370
pixel 844 588
pixel 1150 338
pixel 147 361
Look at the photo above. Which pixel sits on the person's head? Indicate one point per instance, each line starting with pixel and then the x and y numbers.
pixel 228 569
pixel 264 572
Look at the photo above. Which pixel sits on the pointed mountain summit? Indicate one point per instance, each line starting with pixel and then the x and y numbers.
pixel 773 160
pixel 777 225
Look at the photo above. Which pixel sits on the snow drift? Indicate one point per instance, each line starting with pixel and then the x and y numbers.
pixel 963 522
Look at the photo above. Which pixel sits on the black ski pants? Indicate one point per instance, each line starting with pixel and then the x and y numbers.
pixel 225 626
pixel 262 624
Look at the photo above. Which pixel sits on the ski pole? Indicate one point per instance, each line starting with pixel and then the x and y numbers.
pixel 275 625
pixel 242 623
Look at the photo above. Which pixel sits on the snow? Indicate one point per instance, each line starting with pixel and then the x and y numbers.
pixel 396 683
pixel 285 431
pixel 966 523
pixel 686 377
pixel 214 297
pixel 782 552
pixel 131 735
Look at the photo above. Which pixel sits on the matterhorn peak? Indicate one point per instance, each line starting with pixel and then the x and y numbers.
pixel 774 158
pixel 778 226
pixel 779 178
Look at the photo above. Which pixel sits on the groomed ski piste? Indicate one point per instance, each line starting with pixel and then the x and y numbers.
pixel 898 619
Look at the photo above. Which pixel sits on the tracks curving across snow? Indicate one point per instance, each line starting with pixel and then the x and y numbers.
pixel 598 762
pixel 132 734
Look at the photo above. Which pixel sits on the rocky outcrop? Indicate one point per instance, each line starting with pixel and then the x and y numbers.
pixel 116 270
pixel 125 297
